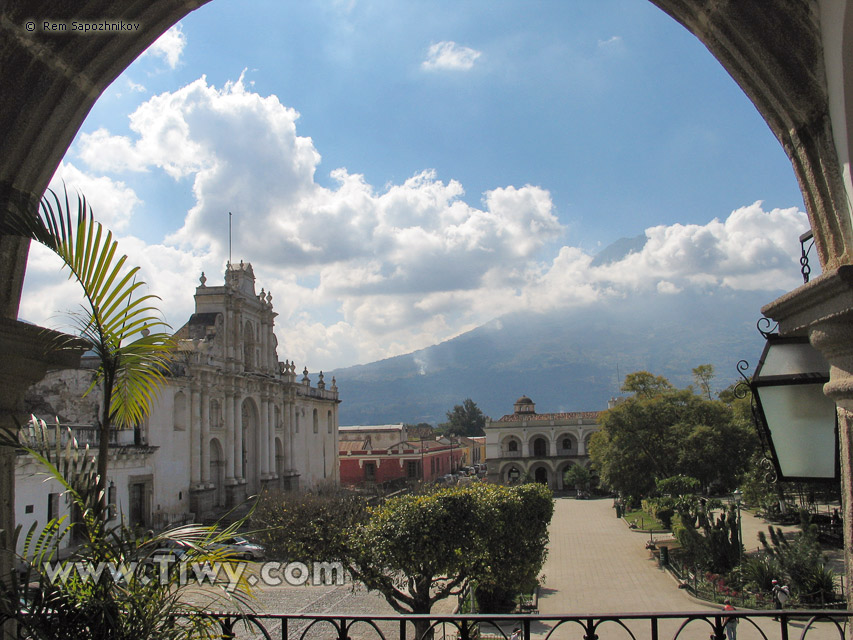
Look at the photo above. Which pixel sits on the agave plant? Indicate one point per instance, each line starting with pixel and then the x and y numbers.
pixel 123 327
pixel 133 597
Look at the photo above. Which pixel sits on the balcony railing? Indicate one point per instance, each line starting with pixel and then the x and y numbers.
pixel 697 625
pixel 560 453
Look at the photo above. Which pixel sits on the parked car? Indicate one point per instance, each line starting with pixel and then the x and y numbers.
pixel 239 547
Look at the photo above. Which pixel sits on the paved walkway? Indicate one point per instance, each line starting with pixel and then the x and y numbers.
pixel 596 565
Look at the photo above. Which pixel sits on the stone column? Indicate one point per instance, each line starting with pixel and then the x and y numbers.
pixel 271 439
pixel 229 437
pixel 823 310
pixel 205 437
pixel 262 437
pixel 238 437
pixel 195 435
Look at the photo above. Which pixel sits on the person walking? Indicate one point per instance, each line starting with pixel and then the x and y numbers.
pixel 731 622
pixel 781 593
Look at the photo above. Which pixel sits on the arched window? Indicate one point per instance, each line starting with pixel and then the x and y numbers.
pixel 329 422
pixel 512 446
pixel 540 447
pixel 567 443
pixel 316 421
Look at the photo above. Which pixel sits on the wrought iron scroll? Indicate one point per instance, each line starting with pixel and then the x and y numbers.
pixel 766 327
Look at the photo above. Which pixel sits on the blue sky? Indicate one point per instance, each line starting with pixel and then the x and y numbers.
pixel 400 172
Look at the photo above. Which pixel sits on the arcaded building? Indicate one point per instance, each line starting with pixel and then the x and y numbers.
pixel 528 446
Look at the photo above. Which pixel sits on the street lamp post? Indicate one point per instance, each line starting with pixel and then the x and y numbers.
pixel 737 494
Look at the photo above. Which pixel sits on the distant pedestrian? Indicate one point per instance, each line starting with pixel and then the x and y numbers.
pixel 781 593
pixel 516 634
pixel 731 622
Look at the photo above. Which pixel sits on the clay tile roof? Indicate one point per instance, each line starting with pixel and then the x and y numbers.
pixel 351 445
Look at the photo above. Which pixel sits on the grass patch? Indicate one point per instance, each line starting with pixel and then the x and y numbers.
pixel 644 521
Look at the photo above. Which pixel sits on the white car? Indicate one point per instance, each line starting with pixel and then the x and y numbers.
pixel 239 547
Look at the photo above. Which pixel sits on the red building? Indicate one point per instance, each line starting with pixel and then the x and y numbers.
pixel 411 460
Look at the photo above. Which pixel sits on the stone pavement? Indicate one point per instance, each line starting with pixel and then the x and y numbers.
pixel 596 565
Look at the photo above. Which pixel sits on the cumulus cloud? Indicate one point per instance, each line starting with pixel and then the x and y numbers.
pixel 113 201
pixel 360 273
pixel 447 55
pixel 169 46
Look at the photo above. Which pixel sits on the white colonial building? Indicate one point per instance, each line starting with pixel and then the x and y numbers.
pixel 231 420
pixel 526 445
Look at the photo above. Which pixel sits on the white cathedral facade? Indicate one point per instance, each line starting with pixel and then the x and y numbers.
pixel 231 420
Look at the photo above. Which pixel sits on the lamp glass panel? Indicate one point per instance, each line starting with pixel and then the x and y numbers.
pixel 801 420
pixel 792 358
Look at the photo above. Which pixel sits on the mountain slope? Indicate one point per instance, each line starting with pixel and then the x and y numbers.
pixel 570 360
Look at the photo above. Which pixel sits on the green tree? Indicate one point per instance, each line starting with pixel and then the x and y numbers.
pixel 661 432
pixel 124 329
pixel 418 549
pixel 646 385
pixel 465 419
pixel 702 375
pixel 578 476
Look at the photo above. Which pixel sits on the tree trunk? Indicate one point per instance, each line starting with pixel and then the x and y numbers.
pixel 104 450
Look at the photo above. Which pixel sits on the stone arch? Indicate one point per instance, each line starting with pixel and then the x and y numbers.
pixel 512 473
pixel 539 445
pixel 541 471
pixel 217 472
pixel 772 49
pixel 511 446
pixel 180 411
pixel 787 84
pixel 560 475
pixel 567 444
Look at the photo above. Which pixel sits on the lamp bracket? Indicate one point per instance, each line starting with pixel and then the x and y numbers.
pixel 766 327
pixel 805 269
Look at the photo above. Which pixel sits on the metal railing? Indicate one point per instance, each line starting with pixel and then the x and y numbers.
pixel 696 625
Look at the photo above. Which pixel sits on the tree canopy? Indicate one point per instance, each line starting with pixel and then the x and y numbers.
pixel 465 419
pixel 663 432
pixel 418 549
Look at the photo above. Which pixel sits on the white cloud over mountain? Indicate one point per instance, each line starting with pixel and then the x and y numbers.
pixel 357 272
